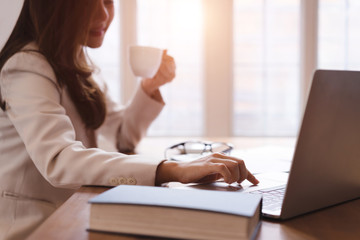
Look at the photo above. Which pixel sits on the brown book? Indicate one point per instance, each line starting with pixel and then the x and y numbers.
pixel 176 213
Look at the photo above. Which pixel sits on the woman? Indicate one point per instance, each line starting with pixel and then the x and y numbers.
pixel 53 114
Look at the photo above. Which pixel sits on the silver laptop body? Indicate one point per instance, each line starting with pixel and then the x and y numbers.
pixel 326 165
pixel 325 169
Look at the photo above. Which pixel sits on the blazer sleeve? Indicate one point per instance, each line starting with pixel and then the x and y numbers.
pixel 29 87
pixel 126 125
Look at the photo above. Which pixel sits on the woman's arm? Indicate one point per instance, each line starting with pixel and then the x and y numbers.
pixel 130 123
pixel 29 87
pixel 125 126
pixel 204 170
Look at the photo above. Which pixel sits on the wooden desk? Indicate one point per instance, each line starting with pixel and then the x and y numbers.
pixel 71 220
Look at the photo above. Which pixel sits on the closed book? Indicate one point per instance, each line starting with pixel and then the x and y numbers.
pixel 176 213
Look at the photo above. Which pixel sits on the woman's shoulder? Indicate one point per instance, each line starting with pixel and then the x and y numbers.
pixel 29 59
pixel 26 55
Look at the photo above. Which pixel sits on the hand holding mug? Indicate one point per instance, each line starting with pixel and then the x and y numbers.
pixel 154 65
pixel 165 74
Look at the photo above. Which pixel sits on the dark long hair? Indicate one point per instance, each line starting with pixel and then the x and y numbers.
pixel 59 28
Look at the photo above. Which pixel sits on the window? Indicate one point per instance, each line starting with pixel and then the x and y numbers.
pixel 266 67
pixel 176 25
pixel 339 34
pixel 245 63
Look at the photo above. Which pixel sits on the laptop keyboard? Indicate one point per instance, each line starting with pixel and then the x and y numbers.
pixel 272 198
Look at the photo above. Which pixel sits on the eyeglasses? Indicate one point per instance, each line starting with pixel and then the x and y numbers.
pixel 191 150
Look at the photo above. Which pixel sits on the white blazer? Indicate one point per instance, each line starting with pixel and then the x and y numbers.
pixel 43 144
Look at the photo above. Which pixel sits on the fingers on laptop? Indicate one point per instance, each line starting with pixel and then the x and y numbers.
pixel 232 169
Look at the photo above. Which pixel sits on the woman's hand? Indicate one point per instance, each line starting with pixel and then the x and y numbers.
pixel 205 170
pixel 165 74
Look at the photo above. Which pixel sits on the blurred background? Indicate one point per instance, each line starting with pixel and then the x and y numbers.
pixel 244 67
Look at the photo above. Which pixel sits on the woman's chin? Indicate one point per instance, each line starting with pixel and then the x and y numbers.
pixel 94 43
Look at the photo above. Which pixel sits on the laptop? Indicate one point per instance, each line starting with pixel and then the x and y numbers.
pixel 325 169
pixel 326 164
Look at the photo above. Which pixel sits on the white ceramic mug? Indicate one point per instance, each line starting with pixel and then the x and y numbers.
pixel 145 61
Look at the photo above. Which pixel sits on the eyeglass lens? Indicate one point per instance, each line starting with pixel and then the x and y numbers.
pixel 194 147
pixel 220 147
pixel 199 147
